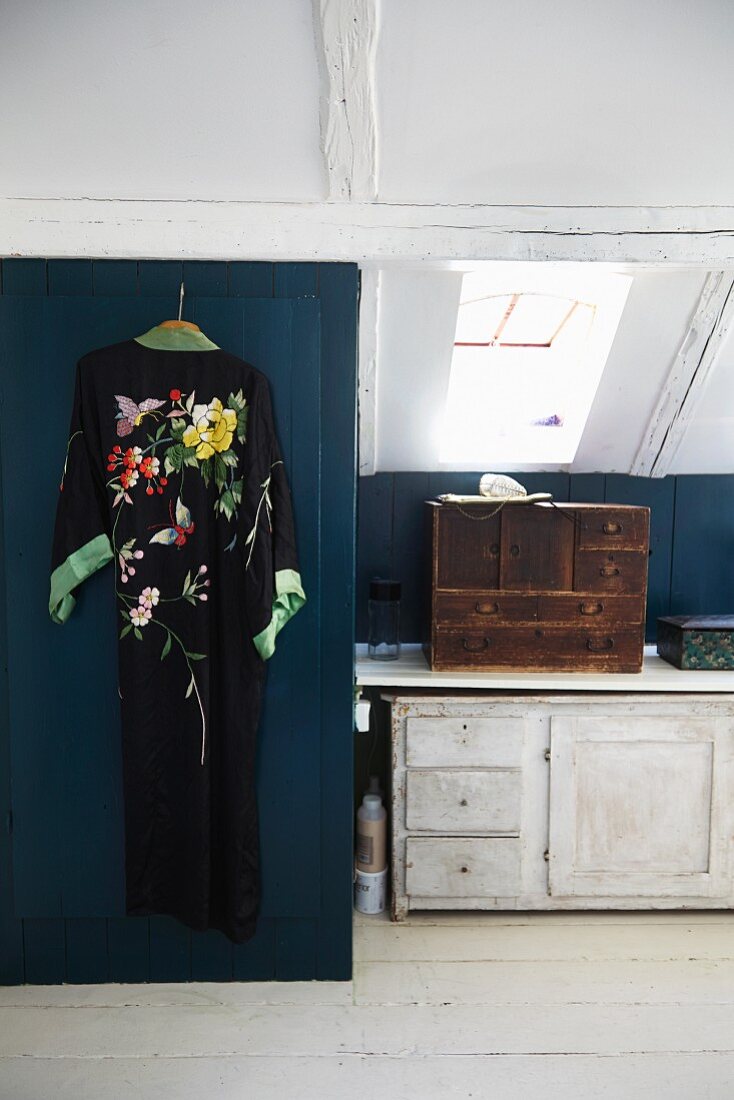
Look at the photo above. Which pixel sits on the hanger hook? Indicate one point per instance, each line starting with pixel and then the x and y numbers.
pixel 180 300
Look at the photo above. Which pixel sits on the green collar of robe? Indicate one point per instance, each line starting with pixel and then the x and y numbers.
pixel 175 339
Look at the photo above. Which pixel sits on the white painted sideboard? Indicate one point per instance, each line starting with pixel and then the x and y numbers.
pixel 541 797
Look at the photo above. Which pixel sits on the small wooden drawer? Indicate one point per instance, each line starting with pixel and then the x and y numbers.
pixel 464 801
pixel 610 571
pixel 472 608
pixel 462 867
pixel 524 649
pixel 464 742
pixel 611 528
pixel 591 610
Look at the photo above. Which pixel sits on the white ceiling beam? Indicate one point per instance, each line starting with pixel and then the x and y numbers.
pixel 684 386
pixel 346 40
pixel 364 232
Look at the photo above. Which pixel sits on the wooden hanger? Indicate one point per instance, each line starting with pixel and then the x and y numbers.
pixel 179 323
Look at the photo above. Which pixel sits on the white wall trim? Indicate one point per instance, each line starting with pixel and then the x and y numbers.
pixel 686 380
pixel 369 319
pixel 346 39
pixel 364 232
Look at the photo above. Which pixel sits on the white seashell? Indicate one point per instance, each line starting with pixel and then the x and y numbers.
pixel 499 487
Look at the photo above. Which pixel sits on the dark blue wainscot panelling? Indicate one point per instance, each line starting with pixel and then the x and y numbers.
pixel 691 537
pixel 61 833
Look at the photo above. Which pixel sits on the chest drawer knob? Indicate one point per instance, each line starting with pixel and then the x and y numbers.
pixel 591 608
pixel 464 870
pixel 514 550
pixel 463 802
pixel 612 528
pixel 609 571
pixel 601 646
pixel 476 648
pixel 486 608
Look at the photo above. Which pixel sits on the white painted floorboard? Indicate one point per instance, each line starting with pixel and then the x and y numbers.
pixel 620 1006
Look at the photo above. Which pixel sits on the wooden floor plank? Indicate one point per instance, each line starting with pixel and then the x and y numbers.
pixel 329 1031
pixel 360 1077
pixel 545 983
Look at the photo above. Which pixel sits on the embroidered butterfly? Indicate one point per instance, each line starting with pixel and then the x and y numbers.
pixel 181 527
pixel 131 415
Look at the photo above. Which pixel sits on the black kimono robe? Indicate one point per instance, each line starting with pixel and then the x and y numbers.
pixel 173 473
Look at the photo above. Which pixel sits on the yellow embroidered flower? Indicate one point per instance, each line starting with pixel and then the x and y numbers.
pixel 212 429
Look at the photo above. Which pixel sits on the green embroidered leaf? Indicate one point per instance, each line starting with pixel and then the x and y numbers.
pixel 187 582
pixel 226 504
pixel 126 629
pixel 220 472
pixel 190 401
pixel 174 459
pixel 191 600
pixel 166 647
pixel 236 401
pixel 242 424
pixel 196 656
pixel 150 438
pixel 190 688
pixel 160 431
pixel 236 490
pixel 229 458
pixel 138 633
pixel 177 428
pixel 189 456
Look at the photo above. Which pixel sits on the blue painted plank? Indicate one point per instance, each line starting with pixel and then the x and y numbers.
pixel 170 950
pixel 374 540
pixel 300 280
pixel 300 794
pixel 70 277
pixel 160 278
pixel 86 950
pixel 204 279
pixel 24 276
pixel 295 949
pixel 254 961
pixel 657 494
pixel 251 280
pixel 338 291
pixel 115 277
pixel 409 552
pixel 44 943
pixel 11 928
pixel 128 940
pixel 702 581
pixel 211 957
pixel 588 488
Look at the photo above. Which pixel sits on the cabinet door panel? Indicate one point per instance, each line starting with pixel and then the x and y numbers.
pixel 640 807
pixel 468 548
pixel 536 549
pixel 464 801
pixel 456 867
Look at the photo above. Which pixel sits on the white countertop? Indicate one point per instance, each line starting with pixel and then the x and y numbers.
pixel 411 671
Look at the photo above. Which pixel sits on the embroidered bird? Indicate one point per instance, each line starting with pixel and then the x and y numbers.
pixel 131 415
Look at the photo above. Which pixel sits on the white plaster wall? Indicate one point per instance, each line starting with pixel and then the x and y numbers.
pixel 159 99
pixel 567 103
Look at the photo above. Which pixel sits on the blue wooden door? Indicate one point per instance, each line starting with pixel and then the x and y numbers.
pixel 61 856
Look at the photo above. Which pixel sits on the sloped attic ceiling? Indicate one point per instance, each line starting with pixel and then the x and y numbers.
pixel 417 318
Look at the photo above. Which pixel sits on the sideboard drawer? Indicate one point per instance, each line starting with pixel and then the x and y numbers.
pixel 614 571
pixel 464 742
pixel 458 867
pixel 610 528
pixel 478 608
pixel 590 610
pixel 596 646
pixel 464 801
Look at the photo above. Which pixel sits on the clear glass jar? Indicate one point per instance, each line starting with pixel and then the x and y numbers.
pixel 383 636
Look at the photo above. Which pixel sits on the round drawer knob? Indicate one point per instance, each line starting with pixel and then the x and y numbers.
pixel 464 870
pixel 463 802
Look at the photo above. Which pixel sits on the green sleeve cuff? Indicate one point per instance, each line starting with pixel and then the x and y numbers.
pixel 289 598
pixel 77 567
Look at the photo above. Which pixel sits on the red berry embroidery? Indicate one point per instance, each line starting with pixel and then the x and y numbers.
pixel 149 490
pixel 175 395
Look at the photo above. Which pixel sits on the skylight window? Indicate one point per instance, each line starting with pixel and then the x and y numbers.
pixel 530 346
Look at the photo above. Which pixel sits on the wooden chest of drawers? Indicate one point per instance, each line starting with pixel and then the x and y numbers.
pixel 534 587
